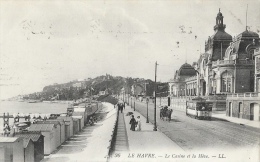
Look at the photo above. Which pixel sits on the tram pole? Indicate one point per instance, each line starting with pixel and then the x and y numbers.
pixel 155 126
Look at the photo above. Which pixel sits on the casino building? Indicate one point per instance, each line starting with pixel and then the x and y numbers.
pixel 225 69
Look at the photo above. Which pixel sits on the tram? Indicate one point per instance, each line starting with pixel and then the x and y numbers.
pixel 199 108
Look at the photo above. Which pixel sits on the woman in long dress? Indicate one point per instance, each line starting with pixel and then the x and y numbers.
pixel 138 126
pixel 133 123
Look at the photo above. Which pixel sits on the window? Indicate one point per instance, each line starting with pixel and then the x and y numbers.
pixel 226 82
pixel 214 86
pixel 240 108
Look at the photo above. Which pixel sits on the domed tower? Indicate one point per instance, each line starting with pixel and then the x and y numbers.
pixel 187 70
pixel 217 44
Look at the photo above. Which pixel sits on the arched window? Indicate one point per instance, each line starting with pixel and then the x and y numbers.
pixel 226 82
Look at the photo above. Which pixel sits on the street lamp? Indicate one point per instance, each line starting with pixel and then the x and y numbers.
pixel 147 101
pixel 155 127
pixel 131 102
pixel 134 104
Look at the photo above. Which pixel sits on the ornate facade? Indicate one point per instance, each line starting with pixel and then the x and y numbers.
pixel 226 67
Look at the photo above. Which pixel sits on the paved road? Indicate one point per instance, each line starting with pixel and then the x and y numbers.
pixel 192 134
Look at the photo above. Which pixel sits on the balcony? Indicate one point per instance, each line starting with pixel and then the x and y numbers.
pixel 246 62
pixel 244 95
pixel 232 62
pixel 223 63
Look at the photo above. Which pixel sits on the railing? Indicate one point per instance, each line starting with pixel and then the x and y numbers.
pixel 191 78
pixel 223 62
pixel 111 144
pixel 249 94
pixel 246 62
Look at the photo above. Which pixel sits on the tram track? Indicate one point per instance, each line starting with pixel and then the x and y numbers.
pixel 226 132
pixel 188 132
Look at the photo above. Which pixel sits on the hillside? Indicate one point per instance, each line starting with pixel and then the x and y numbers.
pixel 89 87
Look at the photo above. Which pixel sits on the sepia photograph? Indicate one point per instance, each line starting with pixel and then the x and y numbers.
pixel 129 80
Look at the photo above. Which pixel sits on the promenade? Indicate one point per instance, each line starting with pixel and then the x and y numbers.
pixel 91 144
pixel 145 144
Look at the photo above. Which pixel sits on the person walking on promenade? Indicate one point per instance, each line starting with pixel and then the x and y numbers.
pixel 138 125
pixel 120 106
pixel 133 123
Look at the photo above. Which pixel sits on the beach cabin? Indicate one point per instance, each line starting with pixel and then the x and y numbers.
pixel 11 149
pixel 62 129
pixel 50 133
pixel 28 150
pixel 81 111
pixel 38 141
pixel 68 126
pixel 58 129
pixel 76 125
pixel 80 120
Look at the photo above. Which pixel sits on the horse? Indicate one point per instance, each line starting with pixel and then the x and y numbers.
pixel 165 113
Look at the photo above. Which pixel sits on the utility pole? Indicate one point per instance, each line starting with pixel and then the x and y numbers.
pixel 147 101
pixel 155 86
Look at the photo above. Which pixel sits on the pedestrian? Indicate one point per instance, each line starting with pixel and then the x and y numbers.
pixel 138 124
pixel 120 106
pixel 133 123
pixel 7 130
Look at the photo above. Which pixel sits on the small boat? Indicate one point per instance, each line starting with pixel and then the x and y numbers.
pixel 33 101
pixel 22 124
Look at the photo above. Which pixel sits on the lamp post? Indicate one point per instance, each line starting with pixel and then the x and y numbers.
pixel 131 102
pixel 134 104
pixel 128 98
pixel 155 126
pixel 147 101
pixel 160 99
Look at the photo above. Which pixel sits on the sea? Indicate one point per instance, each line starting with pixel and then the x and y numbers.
pixel 15 107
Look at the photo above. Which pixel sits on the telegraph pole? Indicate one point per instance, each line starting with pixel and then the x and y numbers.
pixel 155 126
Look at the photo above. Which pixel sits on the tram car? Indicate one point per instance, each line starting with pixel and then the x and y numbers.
pixel 199 108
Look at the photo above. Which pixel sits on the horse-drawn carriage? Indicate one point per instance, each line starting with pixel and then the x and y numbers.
pixel 165 113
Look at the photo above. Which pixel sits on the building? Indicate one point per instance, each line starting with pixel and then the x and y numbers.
pixel 28 150
pixel 51 136
pixel 177 86
pixel 11 149
pixel 68 126
pixel 58 133
pixel 225 68
pixel 246 105
pixel 38 141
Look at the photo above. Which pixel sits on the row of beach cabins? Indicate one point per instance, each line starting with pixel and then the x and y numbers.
pixel 45 136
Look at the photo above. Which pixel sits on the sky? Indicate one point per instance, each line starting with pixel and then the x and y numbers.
pixel 47 42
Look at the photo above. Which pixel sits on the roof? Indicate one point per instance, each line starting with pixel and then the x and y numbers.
pixel 61 121
pixel 41 127
pixel 55 122
pixel 8 139
pixel 220 35
pixel 65 118
pixel 187 69
pixel 77 117
pixel 33 135
pixel 248 34
pixel 26 142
